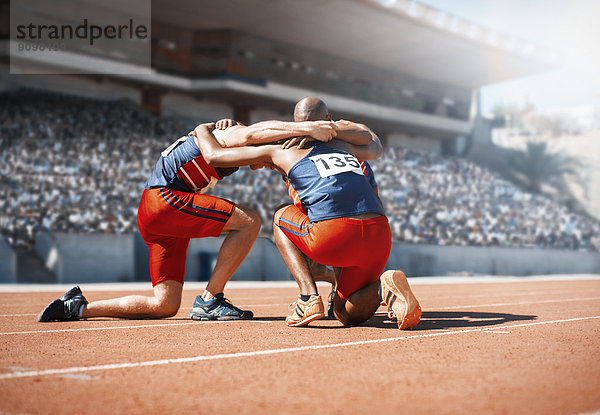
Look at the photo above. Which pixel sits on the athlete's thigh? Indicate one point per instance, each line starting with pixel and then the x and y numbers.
pixel 188 215
pixel 370 255
pixel 167 259
pixel 297 227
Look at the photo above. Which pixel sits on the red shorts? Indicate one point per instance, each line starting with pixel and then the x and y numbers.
pixel 361 247
pixel 168 219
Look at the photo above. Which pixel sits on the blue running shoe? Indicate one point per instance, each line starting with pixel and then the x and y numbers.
pixel 218 308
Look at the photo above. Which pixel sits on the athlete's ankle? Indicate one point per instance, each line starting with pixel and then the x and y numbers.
pixel 207 295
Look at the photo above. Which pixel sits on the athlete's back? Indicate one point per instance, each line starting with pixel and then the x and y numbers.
pixel 330 183
pixel 182 167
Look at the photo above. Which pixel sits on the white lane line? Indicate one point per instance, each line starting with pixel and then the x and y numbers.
pixel 182 308
pixel 564 300
pixel 141 326
pixel 265 352
pixel 269 322
pixel 79 376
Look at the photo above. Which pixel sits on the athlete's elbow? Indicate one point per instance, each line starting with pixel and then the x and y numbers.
pixel 210 157
pixel 377 152
pixel 248 137
pixel 375 148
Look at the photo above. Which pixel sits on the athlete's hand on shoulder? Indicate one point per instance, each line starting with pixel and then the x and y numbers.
pixel 300 141
pixel 323 131
pixel 344 123
pixel 210 126
pixel 225 123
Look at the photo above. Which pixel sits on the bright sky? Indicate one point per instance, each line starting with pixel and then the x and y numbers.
pixel 570 28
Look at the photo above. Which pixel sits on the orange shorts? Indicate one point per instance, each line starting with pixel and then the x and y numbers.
pixel 361 247
pixel 168 219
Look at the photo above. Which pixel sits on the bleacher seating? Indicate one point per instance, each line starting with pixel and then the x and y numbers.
pixel 79 165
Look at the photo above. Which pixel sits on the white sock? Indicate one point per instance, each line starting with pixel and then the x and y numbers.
pixel 80 313
pixel 207 295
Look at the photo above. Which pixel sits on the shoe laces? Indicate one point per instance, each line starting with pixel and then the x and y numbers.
pixel 228 303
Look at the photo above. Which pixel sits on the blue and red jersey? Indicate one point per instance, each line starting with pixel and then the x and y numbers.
pixel 182 167
pixel 329 183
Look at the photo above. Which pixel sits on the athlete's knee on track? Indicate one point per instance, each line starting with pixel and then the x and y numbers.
pixel 167 307
pixel 354 314
pixel 353 319
pixel 167 296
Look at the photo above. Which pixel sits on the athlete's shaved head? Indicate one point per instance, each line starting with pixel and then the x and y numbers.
pixel 311 109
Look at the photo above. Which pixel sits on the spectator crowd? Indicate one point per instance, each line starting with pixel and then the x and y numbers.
pixel 80 165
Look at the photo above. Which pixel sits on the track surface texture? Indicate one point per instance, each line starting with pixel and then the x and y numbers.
pixel 484 346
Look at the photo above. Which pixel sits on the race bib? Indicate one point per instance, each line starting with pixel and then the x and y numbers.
pixel 336 163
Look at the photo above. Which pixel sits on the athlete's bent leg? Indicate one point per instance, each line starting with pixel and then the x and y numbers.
pixel 360 306
pixel 293 257
pixel 242 230
pixel 164 303
pixel 321 272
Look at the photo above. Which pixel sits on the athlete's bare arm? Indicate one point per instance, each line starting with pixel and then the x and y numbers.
pixel 371 151
pixel 363 142
pixel 271 131
pixel 265 155
pixel 218 156
pixel 353 133
pixel 352 137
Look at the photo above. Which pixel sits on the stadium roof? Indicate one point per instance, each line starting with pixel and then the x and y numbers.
pixel 398 35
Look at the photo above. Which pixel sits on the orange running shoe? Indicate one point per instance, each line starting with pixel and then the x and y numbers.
pixel 400 300
pixel 305 311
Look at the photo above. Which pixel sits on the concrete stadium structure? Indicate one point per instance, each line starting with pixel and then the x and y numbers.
pixel 409 71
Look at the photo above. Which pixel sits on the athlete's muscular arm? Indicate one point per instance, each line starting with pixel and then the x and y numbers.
pixel 217 156
pixel 352 137
pixel 363 142
pixel 353 133
pixel 271 131
pixel 371 151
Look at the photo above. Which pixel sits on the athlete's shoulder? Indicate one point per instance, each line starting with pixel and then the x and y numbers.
pixel 231 137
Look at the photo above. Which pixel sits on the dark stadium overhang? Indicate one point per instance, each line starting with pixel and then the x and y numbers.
pixel 270 95
pixel 398 35
pixel 442 57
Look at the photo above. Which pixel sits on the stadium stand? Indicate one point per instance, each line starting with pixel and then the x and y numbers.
pixel 72 164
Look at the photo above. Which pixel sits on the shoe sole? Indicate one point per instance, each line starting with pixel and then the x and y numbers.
pixel 204 317
pixel 306 320
pixel 402 301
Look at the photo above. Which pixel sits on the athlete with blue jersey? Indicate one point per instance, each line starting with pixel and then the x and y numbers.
pixel 394 289
pixel 173 209
pixel 337 219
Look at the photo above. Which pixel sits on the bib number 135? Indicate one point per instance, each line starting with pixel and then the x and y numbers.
pixel 330 164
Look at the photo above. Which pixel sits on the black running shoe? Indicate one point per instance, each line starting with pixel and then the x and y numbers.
pixel 218 308
pixel 65 308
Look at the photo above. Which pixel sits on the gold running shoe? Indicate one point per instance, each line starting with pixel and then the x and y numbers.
pixel 305 311
pixel 400 300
